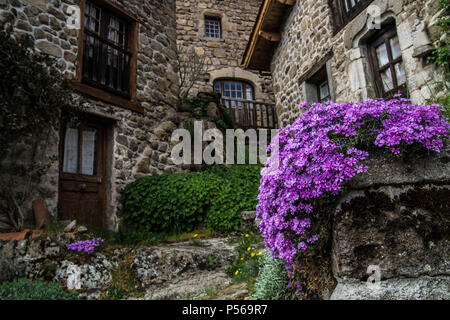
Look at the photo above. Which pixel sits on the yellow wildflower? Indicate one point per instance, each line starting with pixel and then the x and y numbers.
pixel 236 273
pixel 247 235
pixel 253 254
pixel 259 253
pixel 195 235
pixel 249 248
pixel 242 259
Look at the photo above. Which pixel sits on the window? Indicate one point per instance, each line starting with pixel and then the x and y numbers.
pixel 320 84
pixel 234 90
pixel 80 150
pixel 107 55
pixel 317 83
pixel 106 59
pixel 343 11
pixel 213 27
pixel 386 62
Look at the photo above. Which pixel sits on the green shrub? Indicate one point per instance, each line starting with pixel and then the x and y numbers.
pixel 175 203
pixel 272 282
pixel 25 289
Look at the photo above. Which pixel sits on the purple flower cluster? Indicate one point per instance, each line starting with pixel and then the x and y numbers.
pixel 315 158
pixel 87 246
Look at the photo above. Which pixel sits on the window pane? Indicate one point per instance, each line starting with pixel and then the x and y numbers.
pixel 70 160
pixel 89 153
pixel 249 92
pixel 217 87
pixel 382 55
pixel 400 73
pixel 395 47
pixel 212 28
pixel 324 91
pixel 386 78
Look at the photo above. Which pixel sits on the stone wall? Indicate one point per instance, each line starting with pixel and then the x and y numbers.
pixel 138 143
pixel 307 37
pixel 224 55
pixel 154 269
pixel 395 223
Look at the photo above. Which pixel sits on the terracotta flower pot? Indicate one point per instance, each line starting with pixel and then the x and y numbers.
pixel 14 235
pixel 41 216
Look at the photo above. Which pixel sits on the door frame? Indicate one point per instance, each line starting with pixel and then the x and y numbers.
pixel 99 122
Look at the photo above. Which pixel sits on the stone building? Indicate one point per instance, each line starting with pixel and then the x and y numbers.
pixel 122 59
pixel 347 51
pixel 219 31
pixel 343 50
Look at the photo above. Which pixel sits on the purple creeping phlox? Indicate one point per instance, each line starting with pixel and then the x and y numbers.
pixel 87 246
pixel 314 159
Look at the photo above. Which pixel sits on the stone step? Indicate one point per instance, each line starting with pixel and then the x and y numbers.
pixel 164 263
pixel 189 286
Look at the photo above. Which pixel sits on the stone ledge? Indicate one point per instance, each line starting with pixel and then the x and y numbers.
pixel 422 288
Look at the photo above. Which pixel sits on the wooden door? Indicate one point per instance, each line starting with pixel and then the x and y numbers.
pixel 82 189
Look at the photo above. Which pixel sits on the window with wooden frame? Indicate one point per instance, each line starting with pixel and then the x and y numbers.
pixel 317 82
pixel 343 11
pixel 234 90
pixel 386 62
pixel 107 55
pixel 322 87
pixel 213 27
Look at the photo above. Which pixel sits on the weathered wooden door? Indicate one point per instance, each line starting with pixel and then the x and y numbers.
pixel 82 189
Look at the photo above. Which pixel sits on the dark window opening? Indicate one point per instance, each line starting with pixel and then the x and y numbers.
pixel 234 90
pixel 387 64
pixel 106 58
pixel 343 11
pixel 213 28
pixel 320 81
pixel 317 87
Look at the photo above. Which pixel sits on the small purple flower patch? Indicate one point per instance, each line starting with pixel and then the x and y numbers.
pixel 87 246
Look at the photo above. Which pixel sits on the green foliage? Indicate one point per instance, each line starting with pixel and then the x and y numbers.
pixel 199 106
pixel 128 237
pixel 25 289
pixel 227 117
pixel 272 282
pixel 32 90
pixel 441 55
pixel 174 203
pixel 32 95
pixel 246 266
pixel 444 100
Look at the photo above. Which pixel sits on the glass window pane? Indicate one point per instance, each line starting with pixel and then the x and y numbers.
pixel 395 47
pixel 386 78
pixel 324 91
pixel 70 158
pixel 217 87
pixel 89 153
pixel 249 92
pixel 400 73
pixel 382 55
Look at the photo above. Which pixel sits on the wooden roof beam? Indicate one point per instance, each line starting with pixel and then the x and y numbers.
pixel 287 2
pixel 270 36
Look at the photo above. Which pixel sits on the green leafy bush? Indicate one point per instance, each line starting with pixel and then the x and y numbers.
pixel 174 203
pixel 25 289
pixel 272 282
